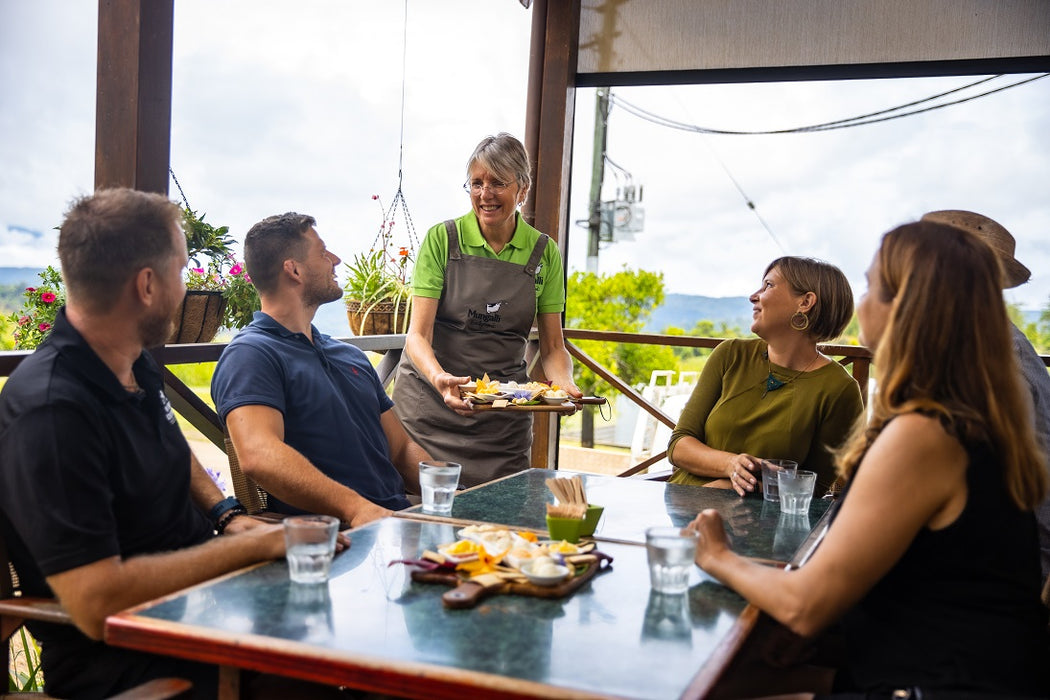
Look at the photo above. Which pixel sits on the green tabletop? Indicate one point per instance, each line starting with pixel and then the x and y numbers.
pixel 371 626
pixel 756 527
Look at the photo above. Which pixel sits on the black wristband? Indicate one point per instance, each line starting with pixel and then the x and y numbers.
pixel 222 507
pixel 228 517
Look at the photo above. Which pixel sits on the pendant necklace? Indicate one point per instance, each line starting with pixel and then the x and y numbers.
pixel 772 383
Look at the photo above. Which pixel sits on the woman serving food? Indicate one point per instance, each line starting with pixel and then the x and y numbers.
pixel 479 284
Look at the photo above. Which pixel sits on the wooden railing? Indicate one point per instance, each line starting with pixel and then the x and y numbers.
pixel 859 358
pixel 545 445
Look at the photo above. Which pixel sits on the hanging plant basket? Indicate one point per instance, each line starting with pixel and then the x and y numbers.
pixel 199 317
pixel 378 318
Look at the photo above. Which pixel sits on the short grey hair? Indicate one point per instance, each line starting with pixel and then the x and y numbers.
pixel 505 157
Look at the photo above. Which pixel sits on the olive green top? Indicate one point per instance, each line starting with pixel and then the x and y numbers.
pixel 731 410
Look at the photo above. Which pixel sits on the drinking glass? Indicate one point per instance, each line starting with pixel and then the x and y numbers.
pixel 796 490
pixel 438 481
pixel 310 544
pixel 671 552
pixel 770 467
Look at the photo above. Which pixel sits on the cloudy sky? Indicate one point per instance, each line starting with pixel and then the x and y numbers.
pixel 282 105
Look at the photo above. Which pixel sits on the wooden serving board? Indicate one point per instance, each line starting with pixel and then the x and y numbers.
pixel 467 593
pixel 567 406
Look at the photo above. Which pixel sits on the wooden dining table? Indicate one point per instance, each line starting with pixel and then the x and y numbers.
pixel 372 627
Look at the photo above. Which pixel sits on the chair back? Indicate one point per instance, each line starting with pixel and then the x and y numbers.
pixel 244 487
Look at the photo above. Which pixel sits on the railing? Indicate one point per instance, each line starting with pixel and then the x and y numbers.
pixel 203 417
pixel 855 355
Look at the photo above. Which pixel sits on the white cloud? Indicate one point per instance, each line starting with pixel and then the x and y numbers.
pixel 280 106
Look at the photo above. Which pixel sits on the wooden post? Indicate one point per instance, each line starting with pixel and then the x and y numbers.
pixel 133 107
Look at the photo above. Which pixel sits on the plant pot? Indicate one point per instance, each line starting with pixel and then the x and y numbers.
pixel 378 318
pixel 198 318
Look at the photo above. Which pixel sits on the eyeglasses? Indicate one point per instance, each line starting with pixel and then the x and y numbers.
pixel 477 187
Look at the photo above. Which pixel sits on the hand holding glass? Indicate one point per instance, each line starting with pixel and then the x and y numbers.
pixel 796 490
pixel 310 544
pixel 438 482
pixel 770 468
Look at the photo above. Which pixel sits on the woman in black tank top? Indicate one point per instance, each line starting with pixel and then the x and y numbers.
pixel 931 563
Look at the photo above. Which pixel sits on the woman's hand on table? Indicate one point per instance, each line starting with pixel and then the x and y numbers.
pixel 711 537
pixel 741 469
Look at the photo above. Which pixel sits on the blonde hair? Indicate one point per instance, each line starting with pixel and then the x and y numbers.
pixel 958 367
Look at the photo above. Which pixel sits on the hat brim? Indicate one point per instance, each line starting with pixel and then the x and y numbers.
pixel 1014 273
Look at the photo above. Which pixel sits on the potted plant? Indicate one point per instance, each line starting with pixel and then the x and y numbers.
pixel 33 322
pixel 218 294
pixel 378 290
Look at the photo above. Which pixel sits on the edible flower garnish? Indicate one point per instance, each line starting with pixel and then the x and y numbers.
pixel 484 564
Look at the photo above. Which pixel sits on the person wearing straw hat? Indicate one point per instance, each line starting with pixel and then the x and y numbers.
pixel 1032 367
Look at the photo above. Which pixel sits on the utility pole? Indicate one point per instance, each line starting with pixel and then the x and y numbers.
pixel 601 118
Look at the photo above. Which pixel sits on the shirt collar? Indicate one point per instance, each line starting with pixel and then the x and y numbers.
pixel 265 322
pixel 67 342
pixel 471 233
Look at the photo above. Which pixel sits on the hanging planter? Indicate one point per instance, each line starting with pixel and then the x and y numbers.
pixel 378 289
pixel 378 318
pixel 199 317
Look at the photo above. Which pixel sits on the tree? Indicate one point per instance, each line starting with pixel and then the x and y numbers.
pixel 620 302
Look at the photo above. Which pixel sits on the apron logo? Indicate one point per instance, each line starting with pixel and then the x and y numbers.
pixel 488 320
pixel 539 274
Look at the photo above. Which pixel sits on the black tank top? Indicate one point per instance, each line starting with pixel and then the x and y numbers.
pixel 961 608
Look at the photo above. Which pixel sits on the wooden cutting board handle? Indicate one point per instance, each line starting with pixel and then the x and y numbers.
pixel 466 595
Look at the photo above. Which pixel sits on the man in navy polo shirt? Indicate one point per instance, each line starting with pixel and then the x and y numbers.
pixel 307 414
pixel 101 501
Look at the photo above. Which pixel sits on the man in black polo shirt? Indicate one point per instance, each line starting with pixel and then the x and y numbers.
pixel 101 501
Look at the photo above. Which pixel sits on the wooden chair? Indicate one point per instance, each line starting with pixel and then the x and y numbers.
pixel 16 608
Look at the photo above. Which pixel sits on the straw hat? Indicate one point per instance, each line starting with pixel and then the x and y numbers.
pixel 993 234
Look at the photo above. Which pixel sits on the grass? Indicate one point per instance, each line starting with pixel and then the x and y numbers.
pixel 24 674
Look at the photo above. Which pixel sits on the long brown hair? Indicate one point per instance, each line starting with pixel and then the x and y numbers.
pixel 946 352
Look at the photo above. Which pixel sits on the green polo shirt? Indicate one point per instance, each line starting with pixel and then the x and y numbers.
pixel 428 274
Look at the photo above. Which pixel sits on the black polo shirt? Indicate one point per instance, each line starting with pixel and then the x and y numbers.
pixel 88 471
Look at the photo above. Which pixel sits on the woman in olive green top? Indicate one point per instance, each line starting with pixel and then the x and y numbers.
pixel 775 396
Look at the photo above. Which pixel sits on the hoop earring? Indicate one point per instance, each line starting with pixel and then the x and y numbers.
pixel 799 321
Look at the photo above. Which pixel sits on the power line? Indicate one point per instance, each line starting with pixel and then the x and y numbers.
pixel 860 120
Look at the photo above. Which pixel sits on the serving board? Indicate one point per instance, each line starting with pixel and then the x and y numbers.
pixel 467 593
pixel 567 406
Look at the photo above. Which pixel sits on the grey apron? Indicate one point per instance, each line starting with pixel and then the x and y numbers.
pixel 484 317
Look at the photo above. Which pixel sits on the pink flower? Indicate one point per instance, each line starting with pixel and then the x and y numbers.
pixel 24 320
pixel 236 270
pixel 375 197
pixel 44 327
pixel 47 297
pixel 197 270
pixel 30 289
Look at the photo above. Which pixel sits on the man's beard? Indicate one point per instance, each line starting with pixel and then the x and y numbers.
pixel 317 295
pixel 155 330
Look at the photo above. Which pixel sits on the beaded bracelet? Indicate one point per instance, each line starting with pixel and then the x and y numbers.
pixel 227 517
pixel 222 507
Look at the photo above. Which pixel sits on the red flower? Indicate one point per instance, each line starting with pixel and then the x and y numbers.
pixel 403 252
pixel 30 289
pixel 24 321
pixel 47 297
pixel 44 327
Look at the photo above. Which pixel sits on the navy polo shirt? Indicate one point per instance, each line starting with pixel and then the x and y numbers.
pixel 331 399
pixel 88 471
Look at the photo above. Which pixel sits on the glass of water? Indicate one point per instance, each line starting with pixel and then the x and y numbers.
pixel 438 481
pixel 671 552
pixel 796 490
pixel 770 467
pixel 310 544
